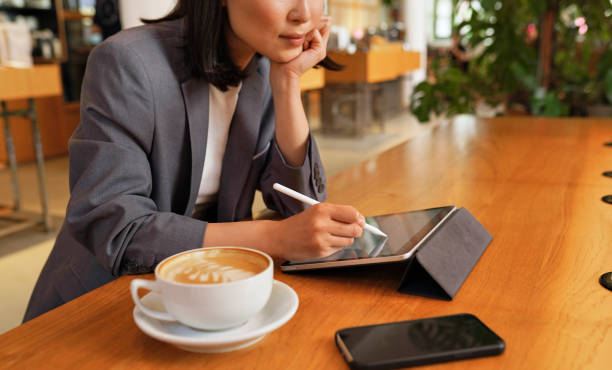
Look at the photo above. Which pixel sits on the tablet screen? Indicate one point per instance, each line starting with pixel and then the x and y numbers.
pixel 404 230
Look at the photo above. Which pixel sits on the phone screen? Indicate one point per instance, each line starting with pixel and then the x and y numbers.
pixel 418 342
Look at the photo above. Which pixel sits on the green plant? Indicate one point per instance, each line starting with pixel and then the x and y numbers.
pixel 450 94
pixel 547 103
pixel 534 53
pixel 389 3
pixel 600 91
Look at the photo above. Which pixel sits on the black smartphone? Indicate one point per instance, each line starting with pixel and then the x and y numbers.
pixel 418 342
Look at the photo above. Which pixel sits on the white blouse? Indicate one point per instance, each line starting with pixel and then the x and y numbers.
pixel 221 108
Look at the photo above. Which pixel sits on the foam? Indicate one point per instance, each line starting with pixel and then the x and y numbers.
pixel 213 266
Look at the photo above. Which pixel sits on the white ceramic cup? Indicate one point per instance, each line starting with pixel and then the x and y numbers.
pixel 214 306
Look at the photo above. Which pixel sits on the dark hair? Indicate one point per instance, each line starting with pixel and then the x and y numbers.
pixel 207 53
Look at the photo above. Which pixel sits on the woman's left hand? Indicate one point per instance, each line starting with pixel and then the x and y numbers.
pixel 314 51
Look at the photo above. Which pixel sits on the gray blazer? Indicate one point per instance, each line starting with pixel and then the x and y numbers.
pixel 136 162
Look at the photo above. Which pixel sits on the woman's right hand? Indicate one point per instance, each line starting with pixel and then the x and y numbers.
pixel 318 231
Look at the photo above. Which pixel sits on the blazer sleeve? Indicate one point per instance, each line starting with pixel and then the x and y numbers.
pixel 111 211
pixel 308 179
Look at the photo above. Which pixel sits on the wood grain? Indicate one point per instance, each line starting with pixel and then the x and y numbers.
pixel 535 184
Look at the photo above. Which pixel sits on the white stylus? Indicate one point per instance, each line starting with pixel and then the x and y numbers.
pixel 304 199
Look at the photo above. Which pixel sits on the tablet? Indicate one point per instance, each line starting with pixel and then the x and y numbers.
pixel 406 233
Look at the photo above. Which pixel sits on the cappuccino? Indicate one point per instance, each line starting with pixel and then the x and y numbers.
pixel 213 266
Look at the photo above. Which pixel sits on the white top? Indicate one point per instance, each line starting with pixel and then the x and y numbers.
pixel 221 107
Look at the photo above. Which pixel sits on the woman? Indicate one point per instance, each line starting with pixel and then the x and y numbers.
pixel 181 120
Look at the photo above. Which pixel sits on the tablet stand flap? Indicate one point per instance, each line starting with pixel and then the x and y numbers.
pixel 446 258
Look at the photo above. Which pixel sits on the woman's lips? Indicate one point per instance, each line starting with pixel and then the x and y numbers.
pixel 295 40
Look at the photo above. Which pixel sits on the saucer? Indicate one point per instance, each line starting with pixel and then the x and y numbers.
pixel 281 307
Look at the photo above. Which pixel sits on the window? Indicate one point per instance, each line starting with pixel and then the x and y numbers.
pixel 443 19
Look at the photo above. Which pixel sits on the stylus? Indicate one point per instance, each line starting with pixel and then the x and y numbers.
pixel 304 199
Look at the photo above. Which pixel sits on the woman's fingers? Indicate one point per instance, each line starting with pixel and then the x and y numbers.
pixel 340 242
pixel 313 48
pixel 307 40
pixel 325 27
pixel 338 220
pixel 344 230
pixel 320 231
pixel 326 21
pixel 311 54
pixel 346 214
pixel 321 36
pixel 316 41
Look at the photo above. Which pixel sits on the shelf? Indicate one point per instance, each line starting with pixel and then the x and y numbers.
pixel 41 60
pixel 82 49
pixel 72 105
pixel 23 9
pixel 76 16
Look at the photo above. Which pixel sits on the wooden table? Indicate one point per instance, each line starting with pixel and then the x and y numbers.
pixel 381 63
pixel 22 83
pixel 312 79
pixel 534 183
pixel 369 85
pixel 27 83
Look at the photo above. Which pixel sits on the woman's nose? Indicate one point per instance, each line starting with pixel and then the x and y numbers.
pixel 300 12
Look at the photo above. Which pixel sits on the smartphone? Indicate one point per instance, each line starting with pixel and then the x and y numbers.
pixel 418 342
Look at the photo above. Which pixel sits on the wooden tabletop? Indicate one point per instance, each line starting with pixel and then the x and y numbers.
pixel 38 81
pixel 535 184
pixel 312 79
pixel 381 63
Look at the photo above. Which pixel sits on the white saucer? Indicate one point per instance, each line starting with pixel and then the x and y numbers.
pixel 280 308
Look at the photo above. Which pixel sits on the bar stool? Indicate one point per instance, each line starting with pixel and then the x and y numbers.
pixel 26 84
pixel 19 219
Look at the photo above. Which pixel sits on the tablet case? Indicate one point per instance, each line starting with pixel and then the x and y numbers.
pixel 446 258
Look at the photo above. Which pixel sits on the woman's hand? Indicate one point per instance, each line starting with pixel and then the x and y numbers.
pixel 317 232
pixel 314 51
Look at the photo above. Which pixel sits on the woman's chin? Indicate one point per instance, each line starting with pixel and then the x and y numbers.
pixel 284 56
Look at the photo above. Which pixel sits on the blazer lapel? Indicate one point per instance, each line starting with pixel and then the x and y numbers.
pixel 241 142
pixel 195 94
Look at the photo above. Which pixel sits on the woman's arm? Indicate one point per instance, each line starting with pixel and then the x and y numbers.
pixel 291 127
pixel 292 130
pixel 293 158
pixel 111 211
pixel 317 232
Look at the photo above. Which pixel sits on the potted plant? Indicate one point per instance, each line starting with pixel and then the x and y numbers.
pixel 448 94
pixel 550 57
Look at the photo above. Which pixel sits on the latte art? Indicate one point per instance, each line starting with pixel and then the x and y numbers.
pixel 213 266
pixel 208 272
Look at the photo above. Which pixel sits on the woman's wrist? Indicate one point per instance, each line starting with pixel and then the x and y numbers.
pixel 291 125
pixel 269 243
pixel 260 235
pixel 285 86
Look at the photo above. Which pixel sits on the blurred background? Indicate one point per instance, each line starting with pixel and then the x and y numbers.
pixel 410 65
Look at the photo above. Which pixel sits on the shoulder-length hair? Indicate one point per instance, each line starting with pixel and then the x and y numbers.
pixel 206 49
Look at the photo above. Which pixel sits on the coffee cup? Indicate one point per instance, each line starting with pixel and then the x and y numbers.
pixel 212 288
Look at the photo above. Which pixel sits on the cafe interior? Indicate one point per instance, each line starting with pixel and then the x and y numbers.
pixel 487 121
